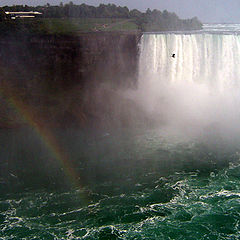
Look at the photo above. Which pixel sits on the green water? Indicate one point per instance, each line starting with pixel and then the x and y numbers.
pixel 144 185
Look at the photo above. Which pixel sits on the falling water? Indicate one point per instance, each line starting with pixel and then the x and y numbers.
pixel 209 59
pixel 196 87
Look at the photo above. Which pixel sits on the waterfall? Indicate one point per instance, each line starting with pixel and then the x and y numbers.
pixel 200 58
pixel 198 86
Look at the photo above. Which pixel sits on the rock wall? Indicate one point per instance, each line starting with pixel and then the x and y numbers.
pixel 60 74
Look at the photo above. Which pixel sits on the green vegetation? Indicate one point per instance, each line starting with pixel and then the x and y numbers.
pixel 77 25
pixel 72 19
pixel 70 26
pixel 156 20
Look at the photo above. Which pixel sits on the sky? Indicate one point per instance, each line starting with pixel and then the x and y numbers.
pixel 215 11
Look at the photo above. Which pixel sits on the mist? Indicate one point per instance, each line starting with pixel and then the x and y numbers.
pixel 195 94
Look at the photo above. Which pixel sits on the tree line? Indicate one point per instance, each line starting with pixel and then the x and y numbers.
pixel 151 20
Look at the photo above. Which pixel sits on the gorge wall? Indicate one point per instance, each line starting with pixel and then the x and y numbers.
pixel 66 80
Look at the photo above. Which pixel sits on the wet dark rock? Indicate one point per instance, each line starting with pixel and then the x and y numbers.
pixel 59 80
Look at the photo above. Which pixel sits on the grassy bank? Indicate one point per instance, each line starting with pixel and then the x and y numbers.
pixel 69 26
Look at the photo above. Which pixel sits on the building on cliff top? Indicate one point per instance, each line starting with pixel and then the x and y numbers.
pixel 14 15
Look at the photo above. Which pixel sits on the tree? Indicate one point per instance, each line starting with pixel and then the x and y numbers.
pixel 135 13
pixel 2 15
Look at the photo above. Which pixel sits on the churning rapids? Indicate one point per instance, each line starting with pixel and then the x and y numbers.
pixel 177 179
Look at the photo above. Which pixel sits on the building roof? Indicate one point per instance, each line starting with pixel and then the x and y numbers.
pixel 23 13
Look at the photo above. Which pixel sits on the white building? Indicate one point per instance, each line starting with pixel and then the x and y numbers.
pixel 14 15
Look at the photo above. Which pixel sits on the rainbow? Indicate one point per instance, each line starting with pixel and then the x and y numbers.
pixel 30 117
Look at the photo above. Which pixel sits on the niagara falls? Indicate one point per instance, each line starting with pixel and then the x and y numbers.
pixel 118 123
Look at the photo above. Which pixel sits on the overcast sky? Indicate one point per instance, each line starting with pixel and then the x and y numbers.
pixel 205 10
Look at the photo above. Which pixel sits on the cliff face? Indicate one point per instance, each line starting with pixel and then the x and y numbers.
pixel 61 75
pixel 71 60
pixel 109 57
